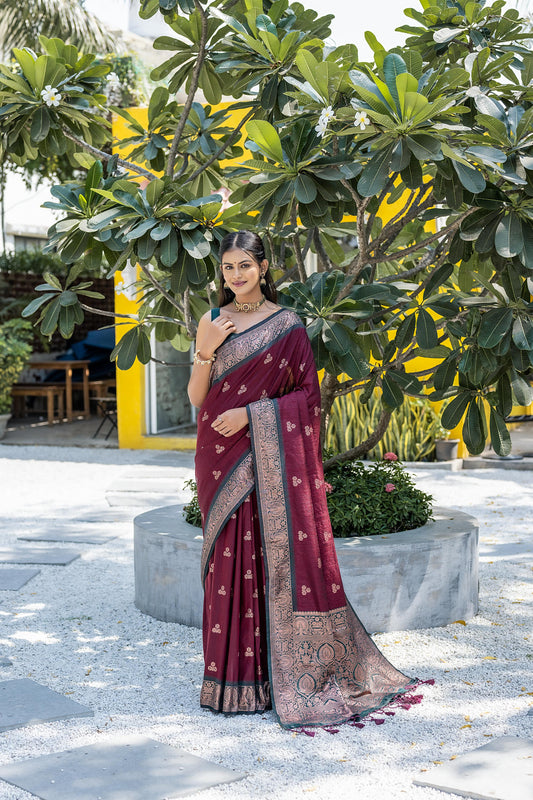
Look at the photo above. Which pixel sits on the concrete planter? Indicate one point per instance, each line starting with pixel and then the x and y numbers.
pixel 446 449
pixel 4 419
pixel 413 579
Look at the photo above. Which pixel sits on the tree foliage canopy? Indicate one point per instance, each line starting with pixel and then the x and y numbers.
pixel 409 178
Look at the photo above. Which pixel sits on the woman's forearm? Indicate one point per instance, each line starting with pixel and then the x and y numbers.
pixel 198 386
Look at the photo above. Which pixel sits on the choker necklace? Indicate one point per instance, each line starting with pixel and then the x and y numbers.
pixel 248 307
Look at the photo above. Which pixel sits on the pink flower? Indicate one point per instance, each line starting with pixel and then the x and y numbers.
pixel 390 457
pixel 390 487
pixel 328 487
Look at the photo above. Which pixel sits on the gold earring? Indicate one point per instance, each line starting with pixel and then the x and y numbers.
pixel 262 282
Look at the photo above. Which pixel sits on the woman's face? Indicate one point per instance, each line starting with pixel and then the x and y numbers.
pixel 241 272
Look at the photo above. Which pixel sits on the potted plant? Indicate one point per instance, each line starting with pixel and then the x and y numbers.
pixel 445 448
pixel 15 349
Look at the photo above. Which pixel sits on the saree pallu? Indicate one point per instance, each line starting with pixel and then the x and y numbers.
pixel 278 629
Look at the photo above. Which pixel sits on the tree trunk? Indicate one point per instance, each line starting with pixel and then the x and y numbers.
pixel 327 396
pixel 363 448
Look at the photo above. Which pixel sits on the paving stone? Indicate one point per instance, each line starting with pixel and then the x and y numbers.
pixel 500 770
pixel 83 537
pixel 34 555
pixel 132 767
pixel 5 662
pixel 14 579
pixel 25 702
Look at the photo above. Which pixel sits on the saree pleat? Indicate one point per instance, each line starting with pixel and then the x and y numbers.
pixel 234 630
pixel 278 629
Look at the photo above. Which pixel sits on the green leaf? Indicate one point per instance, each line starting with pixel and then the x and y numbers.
pixel 40 124
pixel 494 326
pixel 509 240
pixel 143 347
pixel 169 249
pixel 406 332
pixel 438 277
pixel 474 428
pixel 36 303
pixel 158 101
pixel 354 363
pixel 154 190
pixel 499 435
pixel 444 375
pixel 375 174
pixel 267 139
pixel 196 246
pixel 393 65
pixel 125 351
pixel 305 188
pixel 426 331
pixel 454 411
pixel 392 393
pixel 504 396
pixel 522 389
pixel 472 180
pixel 523 333
pixel 51 316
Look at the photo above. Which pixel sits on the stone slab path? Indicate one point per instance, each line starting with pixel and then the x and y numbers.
pixel 500 770
pixel 25 702
pixel 15 579
pixel 81 537
pixel 129 768
pixel 34 555
pixel 78 629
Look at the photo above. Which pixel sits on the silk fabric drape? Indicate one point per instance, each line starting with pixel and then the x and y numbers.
pixel 277 626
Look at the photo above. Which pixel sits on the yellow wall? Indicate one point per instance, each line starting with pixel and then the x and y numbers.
pixel 131 383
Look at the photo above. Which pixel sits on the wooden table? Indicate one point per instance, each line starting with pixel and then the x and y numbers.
pixel 69 367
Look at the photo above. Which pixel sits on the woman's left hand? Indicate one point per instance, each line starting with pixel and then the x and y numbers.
pixel 231 421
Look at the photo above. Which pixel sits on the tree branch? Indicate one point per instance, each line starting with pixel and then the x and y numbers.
pixel 133 317
pixel 386 189
pixel 295 239
pixel 415 248
pixel 363 448
pixel 195 78
pixel 94 151
pixel 327 396
pixel 324 258
pixel 161 289
pixel 187 313
pixel 232 138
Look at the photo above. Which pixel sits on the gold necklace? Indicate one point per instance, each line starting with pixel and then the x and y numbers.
pixel 248 307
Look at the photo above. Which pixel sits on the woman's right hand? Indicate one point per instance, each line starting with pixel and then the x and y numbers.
pixel 211 334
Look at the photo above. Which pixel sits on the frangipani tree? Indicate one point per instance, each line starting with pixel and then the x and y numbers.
pixel 410 178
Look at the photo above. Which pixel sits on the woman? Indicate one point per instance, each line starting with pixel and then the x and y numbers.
pixel 278 630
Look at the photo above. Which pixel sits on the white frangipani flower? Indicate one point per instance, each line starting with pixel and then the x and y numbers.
pixel 51 96
pixel 325 116
pixel 361 120
pixel 473 91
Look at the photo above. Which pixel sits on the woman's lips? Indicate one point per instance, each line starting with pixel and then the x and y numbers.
pixel 239 284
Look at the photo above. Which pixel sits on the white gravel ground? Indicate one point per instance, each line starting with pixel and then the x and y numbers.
pixel 76 630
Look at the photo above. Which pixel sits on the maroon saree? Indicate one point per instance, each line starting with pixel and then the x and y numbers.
pixel 278 630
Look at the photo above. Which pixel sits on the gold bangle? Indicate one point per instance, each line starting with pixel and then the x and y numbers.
pixel 198 360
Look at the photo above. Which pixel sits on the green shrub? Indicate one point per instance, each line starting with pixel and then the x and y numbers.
pixel 372 499
pixel 363 500
pixel 35 262
pixel 411 434
pixel 192 512
pixel 15 350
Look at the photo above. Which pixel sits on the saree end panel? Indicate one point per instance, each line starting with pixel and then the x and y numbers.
pixel 324 668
